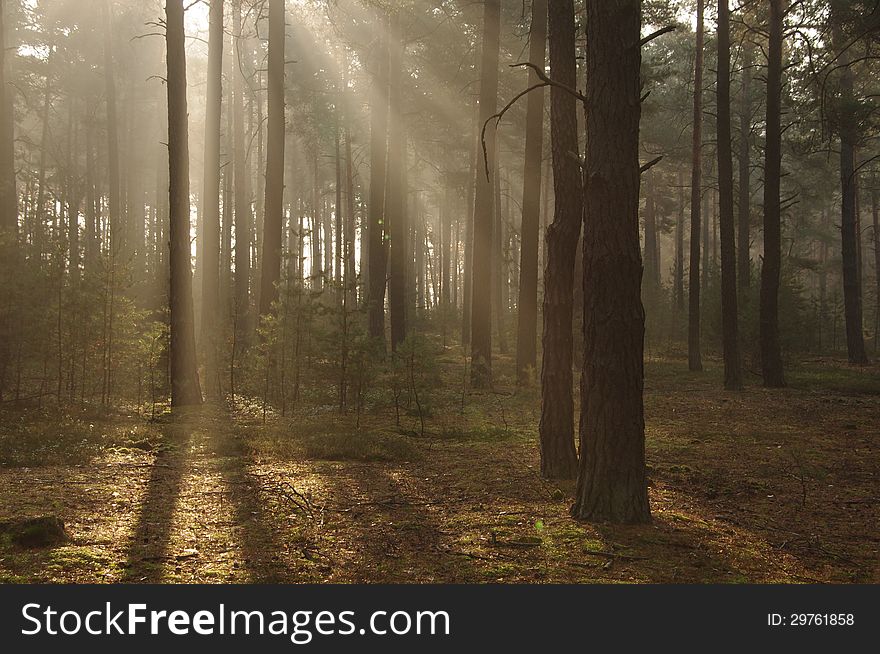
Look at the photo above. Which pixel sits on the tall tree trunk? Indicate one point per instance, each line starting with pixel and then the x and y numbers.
pixel 376 231
pixel 481 282
pixel 744 263
pixel 556 429
pixel 695 361
pixel 468 272
pixel 8 193
pixel 527 317
pixel 273 219
pixel 612 484
pixel 92 247
pixel 875 232
pixel 771 354
pixel 729 317
pixel 241 307
pixel 850 234
pixel 113 192
pixel 652 265
pixel 185 389
pixel 395 192
pixel 679 252
pixel 499 308
pixel 211 202
pixel 349 229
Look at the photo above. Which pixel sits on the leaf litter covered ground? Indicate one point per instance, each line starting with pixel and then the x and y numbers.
pixel 758 486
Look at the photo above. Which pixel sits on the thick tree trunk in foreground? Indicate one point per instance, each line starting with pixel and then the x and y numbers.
pixel 273 217
pixel 211 203
pixel 695 361
pixel 185 389
pixel 481 282
pixel 729 317
pixel 771 354
pixel 556 429
pixel 527 317
pixel 612 482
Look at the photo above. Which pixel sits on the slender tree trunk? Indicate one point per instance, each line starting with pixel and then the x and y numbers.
pixel 875 232
pixel 395 193
pixel 113 193
pixel 652 265
pixel 376 231
pixel 468 272
pixel 349 229
pixel 211 202
pixel 679 252
pixel 771 354
pixel 273 220
pixel 185 389
pixel 744 263
pixel 612 484
pixel 241 308
pixel 556 429
pixel 527 317
pixel 850 232
pixel 92 245
pixel 729 316
pixel 8 192
pixel 481 291
pixel 499 308
pixel 695 361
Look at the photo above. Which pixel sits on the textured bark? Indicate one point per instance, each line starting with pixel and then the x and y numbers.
pixel 395 194
pixel 527 317
pixel 211 202
pixel 771 354
pixel 556 429
pixel 744 262
pixel 694 356
pixel 484 201
pixel 376 232
pixel 273 217
pixel 612 482
pixel 727 228
pixel 185 389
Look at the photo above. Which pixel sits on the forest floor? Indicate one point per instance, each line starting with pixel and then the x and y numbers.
pixel 759 486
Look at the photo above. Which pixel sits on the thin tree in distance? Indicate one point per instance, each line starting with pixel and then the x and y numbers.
pixel 729 317
pixel 211 202
pixel 484 203
pixel 695 361
pixel 527 318
pixel 274 201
